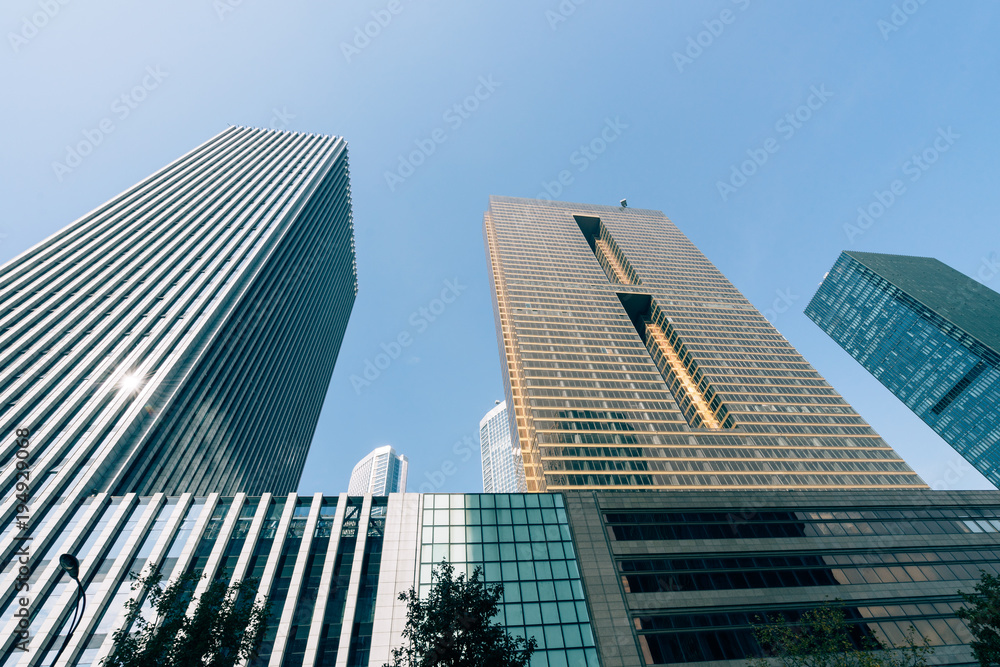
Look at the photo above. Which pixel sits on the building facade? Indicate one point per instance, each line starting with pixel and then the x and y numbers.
pixel 380 473
pixel 630 361
pixel 678 577
pixel 610 578
pixel 503 471
pixel 180 337
pixel 930 334
pixel 332 568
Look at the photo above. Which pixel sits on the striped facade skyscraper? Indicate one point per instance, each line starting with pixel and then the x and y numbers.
pixel 181 337
pixel 380 473
pixel 503 471
pixel 629 361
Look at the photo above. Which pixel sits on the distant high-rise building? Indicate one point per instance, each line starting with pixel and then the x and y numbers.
pixel 630 361
pixel 380 473
pixel 503 471
pixel 181 337
pixel 930 334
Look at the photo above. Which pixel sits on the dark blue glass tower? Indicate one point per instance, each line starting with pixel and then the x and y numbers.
pixel 930 334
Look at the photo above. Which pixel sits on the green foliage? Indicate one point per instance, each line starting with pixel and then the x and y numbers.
pixel 983 617
pixel 823 638
pixel 226 627
pixel 453 628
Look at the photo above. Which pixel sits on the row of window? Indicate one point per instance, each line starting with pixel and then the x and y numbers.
pixel 761 530
pixel 791 560
pixel 904 478
pixel 985 512
pixel 492 517
pixel 492 553
pixel 817 576
pixel 727 636
pixel 739 643
pixel 710 447
pixel 492 500
pixel 717 525
pixel 714 466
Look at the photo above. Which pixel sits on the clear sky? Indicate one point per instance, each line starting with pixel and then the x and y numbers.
pixel 830 100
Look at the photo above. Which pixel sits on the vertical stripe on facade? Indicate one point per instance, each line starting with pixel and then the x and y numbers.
pixel 136 340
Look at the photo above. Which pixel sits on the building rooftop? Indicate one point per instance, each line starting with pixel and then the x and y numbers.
pixel 964 302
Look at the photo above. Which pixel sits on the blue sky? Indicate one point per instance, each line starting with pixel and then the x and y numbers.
pixel 829 101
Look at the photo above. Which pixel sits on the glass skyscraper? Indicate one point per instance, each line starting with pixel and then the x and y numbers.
pixel 630 361
pixel 503 471
pixel 930 334
pixel 180 337
pixel 380 473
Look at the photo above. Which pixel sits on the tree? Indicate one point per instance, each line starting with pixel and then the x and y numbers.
pixel 453 627
pixel 983 617
pixel 822 637
pixel 227 625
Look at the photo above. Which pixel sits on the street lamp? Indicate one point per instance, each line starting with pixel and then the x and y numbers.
pixel 71 566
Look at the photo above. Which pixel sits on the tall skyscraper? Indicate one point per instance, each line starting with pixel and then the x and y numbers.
pixel 380 473
pixel 630 361
pixel 503 471
pixel 180 337
pixel 930 334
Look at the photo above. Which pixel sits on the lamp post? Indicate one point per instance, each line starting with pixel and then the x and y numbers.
pixel 71 566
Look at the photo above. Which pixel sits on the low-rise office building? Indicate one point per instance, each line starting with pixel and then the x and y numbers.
pixel 611 578
pixel 678 577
